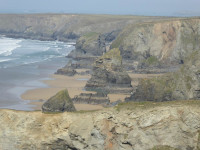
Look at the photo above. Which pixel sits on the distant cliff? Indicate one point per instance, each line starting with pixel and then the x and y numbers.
pixel 138 126
pixel 64 26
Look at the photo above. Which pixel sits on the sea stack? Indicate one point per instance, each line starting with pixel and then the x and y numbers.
pixel 108 73
pixel 61 102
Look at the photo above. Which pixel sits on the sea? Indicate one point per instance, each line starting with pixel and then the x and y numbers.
pixel 24 64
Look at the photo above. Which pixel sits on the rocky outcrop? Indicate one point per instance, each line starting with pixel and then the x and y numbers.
pixel 158 44
pixel 66 71
pixel 88 48
pixel 91 44
pixel 90 98
pixel 108 73
pixel 59 103
pixel 138 126
pixel 182 85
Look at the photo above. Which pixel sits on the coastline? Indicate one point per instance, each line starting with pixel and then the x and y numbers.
pixel 75 86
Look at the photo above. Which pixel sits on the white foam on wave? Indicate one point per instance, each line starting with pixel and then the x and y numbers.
pixel 7 45
pixel 4 60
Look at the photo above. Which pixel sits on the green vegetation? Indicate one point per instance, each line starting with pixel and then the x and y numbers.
pixel 91 35
pixel 152 60
pixel 148 105
pixel 113 54
pixel 85 111
pixel 117 42
pixel 62 95
pixel 163 147
pixel 59 103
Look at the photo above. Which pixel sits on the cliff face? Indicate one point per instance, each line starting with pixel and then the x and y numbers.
pixel 62 26
pixel 159 43
pixel 181 85
pixel 139 126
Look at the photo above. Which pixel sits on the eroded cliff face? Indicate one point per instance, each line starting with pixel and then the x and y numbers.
pixel 159 43
pixel 181 85
pixel 138 126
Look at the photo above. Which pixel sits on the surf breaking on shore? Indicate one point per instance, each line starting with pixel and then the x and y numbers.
pixel 23 63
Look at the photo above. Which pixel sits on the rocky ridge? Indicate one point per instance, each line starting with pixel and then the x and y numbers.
pixel 139 126
pixel 160 44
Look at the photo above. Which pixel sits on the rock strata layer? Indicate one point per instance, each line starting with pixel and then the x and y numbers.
pixel 138 126
pixel 159 44
pixel 89 98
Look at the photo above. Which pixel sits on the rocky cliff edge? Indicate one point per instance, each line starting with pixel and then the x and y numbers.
pixel 138 126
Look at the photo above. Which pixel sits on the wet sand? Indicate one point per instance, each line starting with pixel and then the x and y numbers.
pixel 75 86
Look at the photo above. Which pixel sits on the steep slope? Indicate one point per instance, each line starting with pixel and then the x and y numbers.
pixel 181 85
pixel 138 126
pixel 158 44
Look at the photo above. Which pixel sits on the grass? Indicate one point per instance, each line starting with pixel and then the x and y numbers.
pixel 163 147
pixel 85 111
pixel 62 95
pixel 152 60
pixel 114 54
pixel 147 105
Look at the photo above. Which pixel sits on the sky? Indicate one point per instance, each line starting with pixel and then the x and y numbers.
pixel 128 7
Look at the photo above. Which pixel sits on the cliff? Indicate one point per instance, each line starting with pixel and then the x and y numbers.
pixel 63 27
pixel 158 44
pixel 138 126
pixel 181 85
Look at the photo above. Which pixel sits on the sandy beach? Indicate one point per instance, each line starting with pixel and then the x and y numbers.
pixel 75 86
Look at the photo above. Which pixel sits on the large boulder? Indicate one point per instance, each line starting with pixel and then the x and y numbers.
pixel 108 73
pixel 181 85
pixel 59 103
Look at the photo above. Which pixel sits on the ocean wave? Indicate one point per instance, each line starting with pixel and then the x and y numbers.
pixel 5 60
pixel 30 51
pixel 7 45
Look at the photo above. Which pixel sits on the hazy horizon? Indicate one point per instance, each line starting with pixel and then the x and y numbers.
pixel 118 7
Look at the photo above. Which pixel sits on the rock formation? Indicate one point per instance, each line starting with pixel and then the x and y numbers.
pixel 108 74
pixel 90 98
pixel 160 44
pixel 90 44
pixel 59 103
pixel 181 85
pixel 138 126
pixel 66 71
